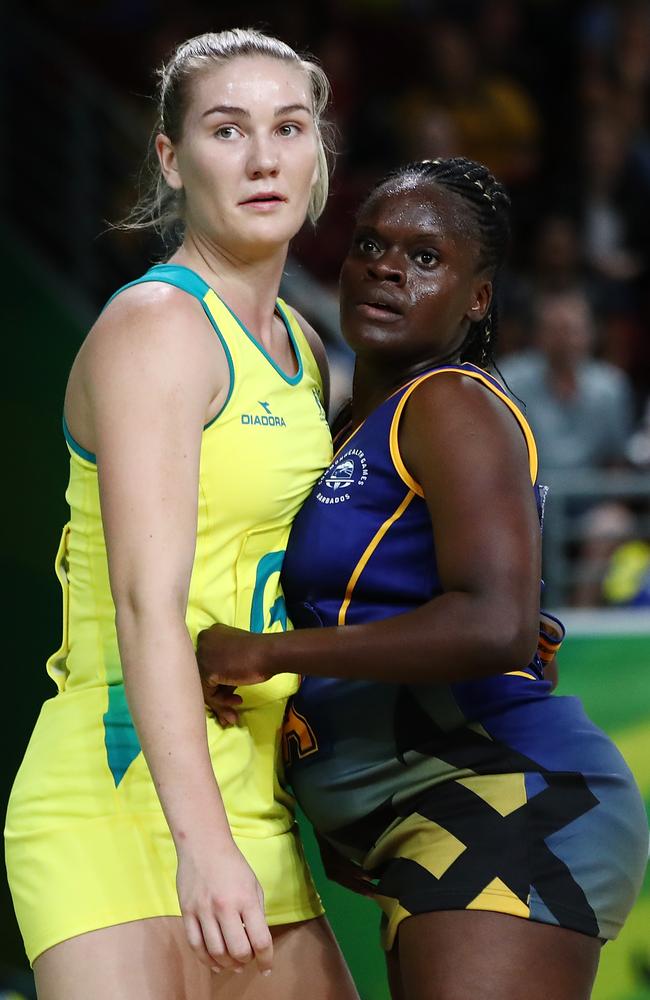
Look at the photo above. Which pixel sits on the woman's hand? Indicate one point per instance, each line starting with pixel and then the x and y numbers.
pixel 223 703
pixel 346 873
pixel 223 908
pixel 229 656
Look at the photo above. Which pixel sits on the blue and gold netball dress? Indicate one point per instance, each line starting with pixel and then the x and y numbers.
pixel 87 842
pixel 489 794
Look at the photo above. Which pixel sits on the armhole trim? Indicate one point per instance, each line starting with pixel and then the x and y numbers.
pixel 302 347
pixel 193 284
pixel 73 445
pixel 227 352
pixel 395 453
pixel 292 327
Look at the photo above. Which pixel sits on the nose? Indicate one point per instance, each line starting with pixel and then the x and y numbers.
pixel 263 159
pixel 387 268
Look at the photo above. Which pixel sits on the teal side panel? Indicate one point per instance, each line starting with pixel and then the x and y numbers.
pixel 120 737
pixel 270 563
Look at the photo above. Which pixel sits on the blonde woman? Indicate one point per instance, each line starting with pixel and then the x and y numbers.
pixel 138 838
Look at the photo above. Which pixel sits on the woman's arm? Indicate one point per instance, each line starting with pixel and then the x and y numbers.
pixel 466 450
pixel 150 374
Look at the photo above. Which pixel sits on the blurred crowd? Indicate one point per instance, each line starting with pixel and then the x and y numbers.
pixel 555 98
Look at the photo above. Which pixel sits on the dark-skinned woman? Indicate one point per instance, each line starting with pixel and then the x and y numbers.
pixel 503 831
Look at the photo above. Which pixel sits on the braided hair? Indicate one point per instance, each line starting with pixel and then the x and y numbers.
pixel 489 205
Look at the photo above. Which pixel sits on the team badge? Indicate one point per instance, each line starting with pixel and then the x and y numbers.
pixel 344 476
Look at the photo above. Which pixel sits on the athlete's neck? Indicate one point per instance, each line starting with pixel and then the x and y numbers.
pixel 248 286
pixel 373 383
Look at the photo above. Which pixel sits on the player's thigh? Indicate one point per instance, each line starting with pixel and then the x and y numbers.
pixel 308 963
pixel 140 960
pixel 151 960
pixel 492 956
pixel 394 974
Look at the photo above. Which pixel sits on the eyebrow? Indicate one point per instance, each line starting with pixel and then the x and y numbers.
pixel 229 109
pixel 286 109
pixel 226 109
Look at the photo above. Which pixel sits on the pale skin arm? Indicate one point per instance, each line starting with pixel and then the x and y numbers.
pixel 146 381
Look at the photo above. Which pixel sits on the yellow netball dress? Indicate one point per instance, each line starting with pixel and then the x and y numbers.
pixel 87 842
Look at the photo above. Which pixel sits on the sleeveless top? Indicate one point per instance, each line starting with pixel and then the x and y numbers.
pixel 259 458
pixel 362 549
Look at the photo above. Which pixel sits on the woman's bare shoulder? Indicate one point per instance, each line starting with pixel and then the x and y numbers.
pixel 145 308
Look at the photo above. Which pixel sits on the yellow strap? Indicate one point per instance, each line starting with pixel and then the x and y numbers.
pixel 403 472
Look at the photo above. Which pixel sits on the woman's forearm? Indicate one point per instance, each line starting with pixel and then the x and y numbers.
pixel 166 703
pixel 455 637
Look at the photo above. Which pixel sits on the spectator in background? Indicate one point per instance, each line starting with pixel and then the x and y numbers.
pixel 613 195
pixel 615 36
pixel 609 191
pixel 627 579
pixel 580 408
pixel 321 249
pixel 614 562
pixel 428 133
pixel 494 119
pixel 499 24
pixel 613 189
pixel 556 265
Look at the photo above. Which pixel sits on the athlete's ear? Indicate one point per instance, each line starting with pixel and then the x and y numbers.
pixel 481 299
pixel 168 161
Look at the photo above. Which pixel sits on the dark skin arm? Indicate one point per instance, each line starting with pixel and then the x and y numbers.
pixel 467 451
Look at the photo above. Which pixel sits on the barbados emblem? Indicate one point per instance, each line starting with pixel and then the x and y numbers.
pixel 345 474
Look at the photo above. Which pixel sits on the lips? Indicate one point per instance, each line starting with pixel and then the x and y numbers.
pixel 378 314
pixel 381 304
pixel 263 198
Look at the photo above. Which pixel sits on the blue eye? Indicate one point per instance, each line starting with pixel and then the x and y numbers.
pixel 226 132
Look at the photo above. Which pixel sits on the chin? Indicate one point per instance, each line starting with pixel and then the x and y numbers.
pixel 371 341
pixel 277 227
pixel 266 239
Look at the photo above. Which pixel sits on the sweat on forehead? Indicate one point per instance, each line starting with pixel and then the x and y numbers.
pixel 448 208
